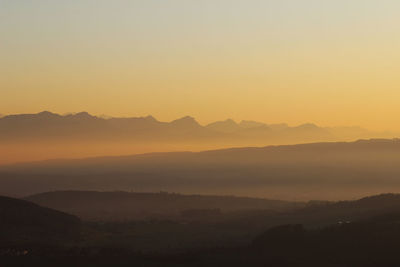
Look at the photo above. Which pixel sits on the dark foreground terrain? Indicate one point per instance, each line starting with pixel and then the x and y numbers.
pixel 365 232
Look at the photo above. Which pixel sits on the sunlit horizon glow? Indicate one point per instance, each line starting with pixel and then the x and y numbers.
pixel 332 63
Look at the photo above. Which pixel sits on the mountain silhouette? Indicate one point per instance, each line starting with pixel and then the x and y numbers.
pixel 45 124
pixel 47 135
pixel 185 123
pixel 227 126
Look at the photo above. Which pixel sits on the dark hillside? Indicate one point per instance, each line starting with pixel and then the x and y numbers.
pixel 25 222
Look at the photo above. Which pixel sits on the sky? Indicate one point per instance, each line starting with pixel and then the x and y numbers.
pixel 332 62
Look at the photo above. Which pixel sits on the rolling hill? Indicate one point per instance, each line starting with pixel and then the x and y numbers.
pixel 125 206
pixel 329 171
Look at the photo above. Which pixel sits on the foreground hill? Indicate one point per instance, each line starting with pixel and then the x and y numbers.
pixel 290 238
pixel 123 206
pixel 328 171
pixel 23 222
pixel 27 137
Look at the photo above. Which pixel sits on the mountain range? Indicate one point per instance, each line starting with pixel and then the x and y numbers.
pixel 83 125
pixel 47 135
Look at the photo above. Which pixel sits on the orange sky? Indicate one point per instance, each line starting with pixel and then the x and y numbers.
pixel 330 63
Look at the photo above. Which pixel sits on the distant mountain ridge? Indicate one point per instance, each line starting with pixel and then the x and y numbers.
pixel 48 124
pixel 47 135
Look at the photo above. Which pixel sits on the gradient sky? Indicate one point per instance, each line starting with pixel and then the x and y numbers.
pixel 333 62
